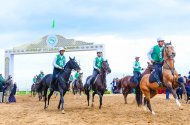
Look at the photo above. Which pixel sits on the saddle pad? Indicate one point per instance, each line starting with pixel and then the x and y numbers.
pixel 132 79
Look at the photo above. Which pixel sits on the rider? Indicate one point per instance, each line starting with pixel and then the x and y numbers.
pixel 34 79
pixel 58 64
pixel 188 76
pixel 41 75
pixel 155 55
pixel 97 65
pixel 137 70
pixel 76 77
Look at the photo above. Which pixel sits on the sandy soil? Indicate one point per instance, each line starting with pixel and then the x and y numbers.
pixel 28 110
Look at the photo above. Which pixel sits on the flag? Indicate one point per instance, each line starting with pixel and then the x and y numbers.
pixel 53 24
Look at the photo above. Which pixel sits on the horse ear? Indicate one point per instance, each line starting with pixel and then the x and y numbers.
pixel 170 43
pixel 148 63
pixel 74 58
pixel 69 57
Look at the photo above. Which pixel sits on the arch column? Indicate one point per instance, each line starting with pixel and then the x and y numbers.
pixel 9 65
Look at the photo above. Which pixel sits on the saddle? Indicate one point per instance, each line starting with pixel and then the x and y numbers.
pixel 152 78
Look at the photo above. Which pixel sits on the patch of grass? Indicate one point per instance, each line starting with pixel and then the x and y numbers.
pixel 23 93
pixel 107 92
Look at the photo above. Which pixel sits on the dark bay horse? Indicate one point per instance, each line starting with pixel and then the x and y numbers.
pixel 33 90
pixel 78 86
pixel 61 83
pixel 98 86
pixel 127 86
pixel 170 79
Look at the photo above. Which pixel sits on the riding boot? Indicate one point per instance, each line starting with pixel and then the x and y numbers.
pixel 157 79
pixel 89 83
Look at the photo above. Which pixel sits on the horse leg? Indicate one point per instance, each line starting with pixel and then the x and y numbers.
pixel 148 95
pixel 174 95
pixel 88 98
pixel 80 92
pixel 59 105
pixel 93 94
pixel 124 95
pixel 100 96
pixel 145 104
pixel 49 96
pixel 45 97
pixel 63 111
pixel 61 100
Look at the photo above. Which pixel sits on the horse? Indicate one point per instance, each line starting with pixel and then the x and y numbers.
pixel 98 85
pixel 170 79
pixel 60 85
pixel 126 84
pixel 37 84
pixel 78 86
pixel 33 90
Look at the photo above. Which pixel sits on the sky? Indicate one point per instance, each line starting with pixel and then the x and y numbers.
pixel 126 27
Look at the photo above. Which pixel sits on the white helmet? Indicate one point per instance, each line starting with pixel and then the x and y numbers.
pixel 160 39
pixel 61 48
pixel 99 50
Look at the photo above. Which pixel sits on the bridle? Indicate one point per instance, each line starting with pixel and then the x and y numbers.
pixel 171 57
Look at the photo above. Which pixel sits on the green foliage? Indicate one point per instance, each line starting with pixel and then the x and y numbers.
pixel 23 93
pixel 107 92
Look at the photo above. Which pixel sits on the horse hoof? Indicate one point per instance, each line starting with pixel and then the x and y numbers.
pixel 144 108
pixel 153 113
pixel 63 112
pixel 181 108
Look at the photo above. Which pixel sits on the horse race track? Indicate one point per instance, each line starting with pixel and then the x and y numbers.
pixel 28 110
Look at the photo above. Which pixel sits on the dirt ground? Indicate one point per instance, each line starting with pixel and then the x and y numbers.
pixel 28 110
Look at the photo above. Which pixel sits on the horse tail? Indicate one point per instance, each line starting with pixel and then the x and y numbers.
pixel 138 95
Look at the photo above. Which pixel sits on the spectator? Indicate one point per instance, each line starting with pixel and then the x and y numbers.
pixel 2 82
pixel 114 85
pixel 12 95
pixel 167 94
pixel 8 88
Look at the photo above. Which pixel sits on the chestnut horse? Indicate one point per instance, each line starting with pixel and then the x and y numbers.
pixel 170 79
pixel 126 86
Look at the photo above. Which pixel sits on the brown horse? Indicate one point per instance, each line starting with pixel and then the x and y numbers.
pixel 127 86
pixel 170 79
pixel 78 86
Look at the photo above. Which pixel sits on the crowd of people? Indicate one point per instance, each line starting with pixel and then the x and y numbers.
pixel 185 80
pixel 7 90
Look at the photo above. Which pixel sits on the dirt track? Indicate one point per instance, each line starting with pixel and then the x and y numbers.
pixel 28 110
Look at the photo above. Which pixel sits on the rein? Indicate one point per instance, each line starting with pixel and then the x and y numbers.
pixel 172 70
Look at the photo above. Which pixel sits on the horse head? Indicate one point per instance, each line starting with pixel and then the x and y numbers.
pixel 73 64
pixel 150 66
pixel 169 52
pixel 106 67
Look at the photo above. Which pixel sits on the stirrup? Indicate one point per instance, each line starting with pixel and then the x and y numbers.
pixel 160 84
